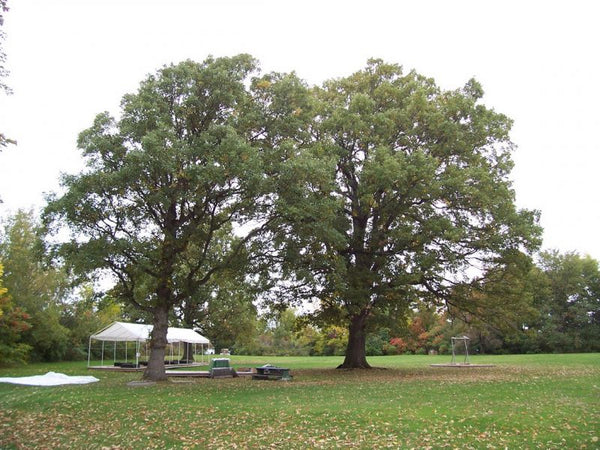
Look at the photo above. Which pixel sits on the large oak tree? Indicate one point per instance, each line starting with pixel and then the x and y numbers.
pixel 163 183
pixel 402 194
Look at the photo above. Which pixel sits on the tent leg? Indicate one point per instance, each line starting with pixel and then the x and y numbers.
pixel 102 361
pixel 89 350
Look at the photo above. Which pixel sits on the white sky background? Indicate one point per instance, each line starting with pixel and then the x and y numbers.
pixel 538 62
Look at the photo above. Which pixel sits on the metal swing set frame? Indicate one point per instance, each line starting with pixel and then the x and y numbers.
pixel 465 343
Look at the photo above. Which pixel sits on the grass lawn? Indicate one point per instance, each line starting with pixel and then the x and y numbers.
pixel 526 401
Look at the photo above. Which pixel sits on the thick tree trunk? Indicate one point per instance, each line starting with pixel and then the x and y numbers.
pixel 158 343
pixel 356 356
pixel 188 353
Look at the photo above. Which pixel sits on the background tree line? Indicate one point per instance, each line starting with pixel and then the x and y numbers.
pixel 45 315
pixel 559 313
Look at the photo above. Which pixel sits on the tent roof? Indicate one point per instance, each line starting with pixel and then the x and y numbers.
pixel 123 331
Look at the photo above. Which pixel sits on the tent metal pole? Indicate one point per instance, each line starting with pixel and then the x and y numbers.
pixel 126 360
pixel 102 360
pixel 89 350
pixel 115 352
pixel 137 353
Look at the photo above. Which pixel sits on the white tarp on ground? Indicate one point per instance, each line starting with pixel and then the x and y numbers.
pixel 123 331
pixel 50 379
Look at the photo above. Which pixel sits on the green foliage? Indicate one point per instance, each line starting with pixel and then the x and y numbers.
pixel 403 190
pixel 283 332
pixel 501 298
pixel 287 334
pixel 83 316
pixel 162 181
pixel 549 307
pixel 277 336
pixel 223 311
pixel 164 184
pixel 331 341
pixel 552 306
pixel 567 297
pixel 376 342
pixel 13 322
pixel 35 288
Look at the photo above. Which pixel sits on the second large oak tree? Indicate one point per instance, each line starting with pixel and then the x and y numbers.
pixel 406 196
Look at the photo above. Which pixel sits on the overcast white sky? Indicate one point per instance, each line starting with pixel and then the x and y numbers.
pixel 537 61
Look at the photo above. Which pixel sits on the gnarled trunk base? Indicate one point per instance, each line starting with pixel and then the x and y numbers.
pixel 158 343
pixel 188 353
pixel 356 355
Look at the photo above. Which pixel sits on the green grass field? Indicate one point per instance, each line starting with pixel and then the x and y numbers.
pixel 526 401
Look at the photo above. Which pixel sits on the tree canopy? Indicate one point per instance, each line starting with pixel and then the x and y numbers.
pixel 403 194
pixel 163 183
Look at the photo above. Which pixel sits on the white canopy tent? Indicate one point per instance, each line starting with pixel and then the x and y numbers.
pixel 140 334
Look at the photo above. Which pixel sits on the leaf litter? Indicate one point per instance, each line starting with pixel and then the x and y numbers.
pixel 505 407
